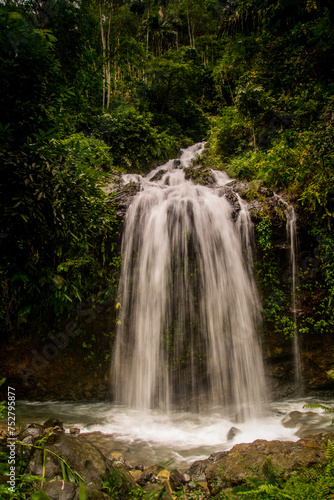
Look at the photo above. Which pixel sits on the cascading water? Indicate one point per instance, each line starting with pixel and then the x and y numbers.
pixel 291 229
pixel 291 232
pixel 189 302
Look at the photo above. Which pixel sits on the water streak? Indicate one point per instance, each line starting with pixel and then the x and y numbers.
pixel 190 307
pixel 291 231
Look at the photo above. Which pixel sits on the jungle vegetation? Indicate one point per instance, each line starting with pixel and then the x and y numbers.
pixel 92 88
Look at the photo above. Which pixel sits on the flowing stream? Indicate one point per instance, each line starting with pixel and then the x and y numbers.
pixel 178 438
pixel 189 303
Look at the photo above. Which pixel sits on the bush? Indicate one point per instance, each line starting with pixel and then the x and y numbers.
pixel 60 232
pixel 134 144
pixel 89 150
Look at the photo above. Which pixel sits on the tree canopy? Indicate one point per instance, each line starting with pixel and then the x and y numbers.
pixel 90 88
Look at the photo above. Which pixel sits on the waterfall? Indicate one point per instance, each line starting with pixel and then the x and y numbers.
pixel 189 303
pixel 291 232
pixel 291 229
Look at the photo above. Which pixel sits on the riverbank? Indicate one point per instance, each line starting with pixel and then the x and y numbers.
pixel 67 462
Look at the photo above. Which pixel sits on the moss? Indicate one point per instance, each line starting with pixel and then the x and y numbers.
pixel 200 175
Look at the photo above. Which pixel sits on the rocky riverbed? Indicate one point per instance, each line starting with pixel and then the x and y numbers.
pixel 65 457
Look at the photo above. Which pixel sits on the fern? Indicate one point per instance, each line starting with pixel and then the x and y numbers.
pixel 318 406
pixel 269 472
pixel 270 489
pixel 330 450
pixel 330 456
pixel 3 406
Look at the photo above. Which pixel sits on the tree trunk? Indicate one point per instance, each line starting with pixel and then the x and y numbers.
pixel 147 32
pixel 189 30
pixel 108 77
pixel 103 41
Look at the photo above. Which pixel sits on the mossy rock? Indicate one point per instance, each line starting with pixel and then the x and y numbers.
pixel 200 175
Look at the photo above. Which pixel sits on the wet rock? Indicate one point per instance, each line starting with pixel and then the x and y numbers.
pixel 82 456
pixel 29 440
pixel 53 422
pixel 144 478
pixel 200 175
pixel 136 474
pixel 125 481
pixel 176 479
pixel 36 431
pixel 163 475
pixel 217 456
pixel 245 460
pixel 198 468
pixel 158 490
pixel 93 494
pixel 149 474
pixel 234 431
pixel 123 198
pixel 128 464
pixel 35 465
pixel 158 176
pixel 231 197
pixel 60 490
pixel 75 431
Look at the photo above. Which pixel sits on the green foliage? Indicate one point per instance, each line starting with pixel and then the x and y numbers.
pixel 229 135
pixel 314 483
pixel 315 405
pixel 61 230
pixel 86 150
pixel 3 405
pixel 264 233
pixel 134 143
pixel 172 95
pixel 263 70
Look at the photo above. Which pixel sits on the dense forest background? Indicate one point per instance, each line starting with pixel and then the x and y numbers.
pixel 90 89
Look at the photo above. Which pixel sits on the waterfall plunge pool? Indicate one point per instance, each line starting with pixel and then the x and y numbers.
pixel 175 439
pixel 187 245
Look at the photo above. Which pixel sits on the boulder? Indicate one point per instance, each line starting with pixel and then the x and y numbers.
pixel 60 490
pixel 35 466
pixel 124 482
pixel 176 479
pixel 36 431
pixel 93 494
pixel 149 474
pixel 200 175
pixel 53 422
pixel 75 431
pixel 234 431
pixel 246 460
pixel 158 175
pixel 82 456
